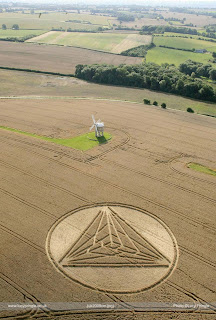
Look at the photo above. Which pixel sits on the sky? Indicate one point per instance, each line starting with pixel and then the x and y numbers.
pixel 175 3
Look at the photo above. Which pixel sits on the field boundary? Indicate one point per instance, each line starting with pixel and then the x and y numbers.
pixel 38 71
pixel 97 99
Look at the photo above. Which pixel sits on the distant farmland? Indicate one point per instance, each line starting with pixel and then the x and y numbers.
pixel 164 55
pixel 50 20
pixel 109 42
pixel 19 34
pixel 183 43
pixel 55 59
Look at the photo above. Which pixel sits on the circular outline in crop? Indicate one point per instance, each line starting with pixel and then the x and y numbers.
pixel 160 281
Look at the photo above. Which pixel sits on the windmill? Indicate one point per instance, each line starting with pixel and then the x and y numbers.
pixel 99 127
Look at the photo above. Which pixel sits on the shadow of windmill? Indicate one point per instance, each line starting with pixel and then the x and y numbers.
pixel 101 140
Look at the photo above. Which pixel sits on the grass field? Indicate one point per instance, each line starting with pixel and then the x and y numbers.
pixel 200 168
pixel 109 42
pixel 19 33
pixel 164 55
pixel 84 142
pixel 56 20
pixel 183 43
pixel 14 83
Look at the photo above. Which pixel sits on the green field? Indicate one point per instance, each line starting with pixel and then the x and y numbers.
pixel 200 168
pixel 109 42
pixel 172 56
pixel 183 43
pixel 47 21
pixel 19 34
pixel 84 142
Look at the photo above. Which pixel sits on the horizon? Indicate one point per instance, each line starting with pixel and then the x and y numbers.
pixel 152 3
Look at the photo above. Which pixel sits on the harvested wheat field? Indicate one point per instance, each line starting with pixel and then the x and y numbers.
pixel 54 59
pixel 124 230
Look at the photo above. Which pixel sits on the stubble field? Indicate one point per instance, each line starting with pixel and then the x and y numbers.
pixel 143 166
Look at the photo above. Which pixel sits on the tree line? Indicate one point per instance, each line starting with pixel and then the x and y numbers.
pixel 139 51
pixel 165 78
pixel 198 69
pixel 162 29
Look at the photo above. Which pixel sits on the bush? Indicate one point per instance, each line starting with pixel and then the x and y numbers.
pixel 15 26
pixel 155 103
pixel 163 105
pixel 146 101
pixel 190 110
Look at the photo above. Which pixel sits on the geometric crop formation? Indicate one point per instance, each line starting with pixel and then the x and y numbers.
pixel 109 241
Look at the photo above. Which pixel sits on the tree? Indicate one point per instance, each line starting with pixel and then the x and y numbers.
pixel 15 27
pixel 214 54
pixel 154 83
pixel 190 110
pixel 166 78
pixel 146 101
pixel 4 27
pixel 162 85
pixel 155 103
pixel 213 74
pixel 163 105
pixel 206 92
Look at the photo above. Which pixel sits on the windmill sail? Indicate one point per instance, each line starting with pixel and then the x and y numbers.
pixel 109 241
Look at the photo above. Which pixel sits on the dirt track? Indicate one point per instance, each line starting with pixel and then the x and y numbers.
pixel 54 58
pixel 142 166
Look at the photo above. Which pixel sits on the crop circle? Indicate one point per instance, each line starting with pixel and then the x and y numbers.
pixel 113 248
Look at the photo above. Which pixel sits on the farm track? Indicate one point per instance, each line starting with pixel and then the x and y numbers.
pixel 120 314
pixel 70 157
pixel 158 179
pixel 51 184
pixel 23 239
pixel 192 220
pixel 92 158
pixel 10 194
pixel 33 313
pixel 89 201
pixel 131 113
pixel 191 295
pixel 190 175
pixel 115 299
pixel 20 237
pixel 121 117
pixel 26 294
pixel 147 110
pixel 171 163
